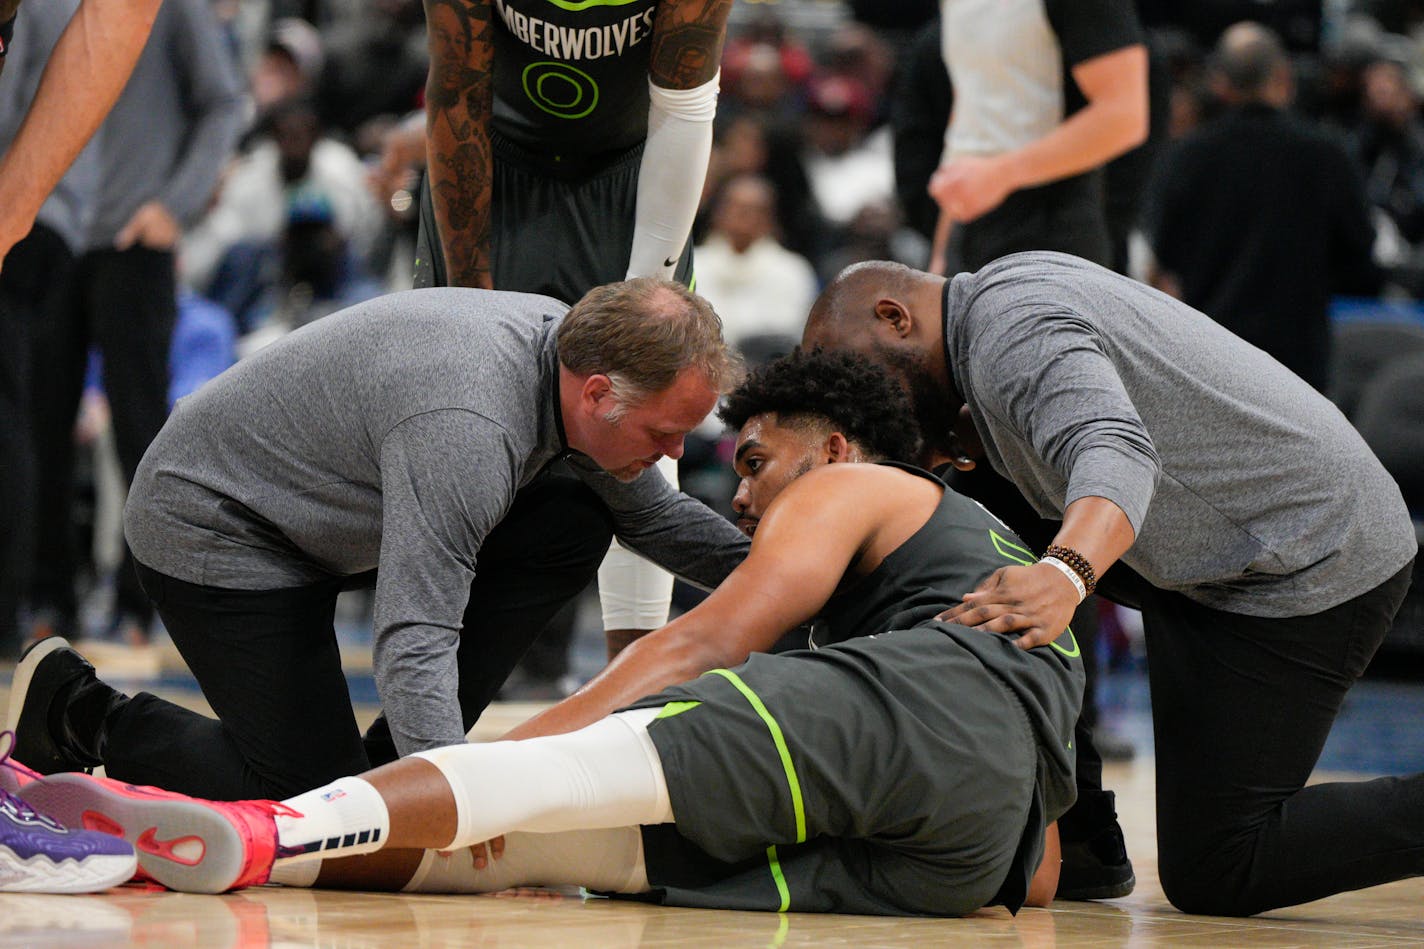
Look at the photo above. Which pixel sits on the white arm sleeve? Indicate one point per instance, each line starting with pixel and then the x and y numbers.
pixel 671 174
pixel 634 593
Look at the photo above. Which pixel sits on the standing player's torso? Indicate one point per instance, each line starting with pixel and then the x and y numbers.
pixel 571 76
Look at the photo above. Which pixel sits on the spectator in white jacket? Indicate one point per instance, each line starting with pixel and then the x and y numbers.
pixel 293 158
pixel 757 286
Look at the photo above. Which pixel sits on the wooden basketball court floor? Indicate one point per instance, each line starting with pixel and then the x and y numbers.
pixel 1386 916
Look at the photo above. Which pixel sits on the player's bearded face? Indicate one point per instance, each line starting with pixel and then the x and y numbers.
pixel 768 458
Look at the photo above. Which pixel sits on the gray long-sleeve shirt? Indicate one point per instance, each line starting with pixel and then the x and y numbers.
pixel 68 208
pixel 1247 489
pixel 393 435
pixel 175 124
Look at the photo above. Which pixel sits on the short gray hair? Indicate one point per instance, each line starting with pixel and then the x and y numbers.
pixel 641 333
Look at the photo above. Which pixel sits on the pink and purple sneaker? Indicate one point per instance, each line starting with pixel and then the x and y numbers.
pixel 182 842
pixel 41 855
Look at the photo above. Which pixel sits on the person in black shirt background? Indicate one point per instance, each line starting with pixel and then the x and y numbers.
pixel 1257 219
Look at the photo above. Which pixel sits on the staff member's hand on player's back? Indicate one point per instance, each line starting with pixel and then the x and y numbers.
pixel 1036 602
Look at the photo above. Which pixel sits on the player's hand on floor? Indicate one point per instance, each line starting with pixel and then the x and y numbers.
pixel 1035 602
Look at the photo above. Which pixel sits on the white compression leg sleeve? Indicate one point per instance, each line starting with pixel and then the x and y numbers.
pixel 605 775
pixel 609 860
pixel 634 593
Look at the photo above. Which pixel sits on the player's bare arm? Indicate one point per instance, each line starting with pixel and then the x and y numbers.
pixel 835 518
pixel 459 98
pixel 687 42
pixel 86 72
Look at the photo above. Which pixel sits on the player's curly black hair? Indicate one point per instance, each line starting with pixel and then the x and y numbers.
pixel 849 391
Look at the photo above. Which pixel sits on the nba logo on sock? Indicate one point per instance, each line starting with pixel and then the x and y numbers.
pixel 333 794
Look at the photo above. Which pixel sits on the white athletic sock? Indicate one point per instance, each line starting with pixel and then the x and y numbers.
pixel 605 775
pixel 609 860
pixel 347 817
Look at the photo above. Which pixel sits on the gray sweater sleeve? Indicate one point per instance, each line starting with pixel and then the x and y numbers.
pixel 214 103
pixel 1044 376
pixel 678 533
pixel 447 478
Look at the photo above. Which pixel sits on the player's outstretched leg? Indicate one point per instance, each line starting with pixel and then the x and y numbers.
pixel 39 854
pixel 604 776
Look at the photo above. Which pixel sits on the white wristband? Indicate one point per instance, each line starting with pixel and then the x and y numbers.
pixel 1071 574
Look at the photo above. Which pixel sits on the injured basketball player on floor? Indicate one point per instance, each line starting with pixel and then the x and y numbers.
pixel 901 765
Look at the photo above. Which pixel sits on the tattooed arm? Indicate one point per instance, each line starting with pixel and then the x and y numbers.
pixel 687 48
pixel 687 42
pixel 459 98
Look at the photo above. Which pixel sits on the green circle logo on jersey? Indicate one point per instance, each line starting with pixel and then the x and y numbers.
pixel 560 89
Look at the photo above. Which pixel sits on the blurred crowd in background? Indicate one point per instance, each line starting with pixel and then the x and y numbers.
pixel 829 123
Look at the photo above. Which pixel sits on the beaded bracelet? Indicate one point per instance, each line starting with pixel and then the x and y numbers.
pixel 1078 562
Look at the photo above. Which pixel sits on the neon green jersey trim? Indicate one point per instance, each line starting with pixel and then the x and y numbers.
pixel 675 708
pixel 1021 555
pixel 1073 653
pixel 574 6
pixel 1010 550
pixel 780 740
pixel 776 875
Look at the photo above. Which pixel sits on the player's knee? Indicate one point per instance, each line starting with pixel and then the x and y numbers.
pixel 1206 887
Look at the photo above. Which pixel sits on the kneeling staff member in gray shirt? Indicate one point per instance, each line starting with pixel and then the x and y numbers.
pixel 1269 548
pixel 411 435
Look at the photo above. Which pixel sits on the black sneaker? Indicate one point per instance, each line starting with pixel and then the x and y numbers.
pixel 1095 862
pixel 45 679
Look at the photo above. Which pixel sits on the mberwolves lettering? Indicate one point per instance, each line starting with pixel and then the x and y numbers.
pixel 575 43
